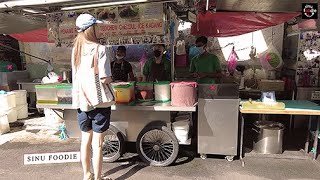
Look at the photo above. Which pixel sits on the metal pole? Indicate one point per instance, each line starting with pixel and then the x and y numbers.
pixel 47 61
pixel 172 63
pixel 316 139
pixel 291 124
pixel 241 140
pixel 306 146
pixel 171 48
pixel 207 6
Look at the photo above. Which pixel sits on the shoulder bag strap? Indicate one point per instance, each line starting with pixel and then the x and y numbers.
pixel 96 72
pixel 95 61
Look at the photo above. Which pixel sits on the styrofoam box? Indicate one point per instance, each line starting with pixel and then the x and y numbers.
pixel 8 101
pixel 11 113
pixel 4 124
pixel 21 97
pixel 22 111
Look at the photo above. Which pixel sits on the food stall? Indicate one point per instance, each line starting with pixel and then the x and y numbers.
pixel 157 116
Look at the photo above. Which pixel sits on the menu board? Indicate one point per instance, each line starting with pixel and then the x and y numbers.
pixel 133 21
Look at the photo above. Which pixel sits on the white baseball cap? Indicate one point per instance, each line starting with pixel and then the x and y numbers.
pixel 84 21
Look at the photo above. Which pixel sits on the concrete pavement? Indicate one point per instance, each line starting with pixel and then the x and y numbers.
pixel 132 168
pixel 35 138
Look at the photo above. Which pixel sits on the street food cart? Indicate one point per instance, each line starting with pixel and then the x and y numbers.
pixel 212 119
pixel 152 124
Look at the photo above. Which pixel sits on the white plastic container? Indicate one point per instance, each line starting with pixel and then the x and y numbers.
pixel 22 111
pixel 11 113
pixel 21 97
pixel 162 91
pixel 4 124
pixel 181 130
pixel 8 101
pixel 185 117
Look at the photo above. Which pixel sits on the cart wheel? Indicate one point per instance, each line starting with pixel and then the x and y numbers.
pixel 157 146
pixel 113 145
pixel 203 156
pixel 229 158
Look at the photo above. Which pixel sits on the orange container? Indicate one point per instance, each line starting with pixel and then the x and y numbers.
pixel 124 92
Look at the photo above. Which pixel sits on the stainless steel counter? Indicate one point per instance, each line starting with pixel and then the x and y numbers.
pixel 28 85
pixel 129 119
pixel 144 106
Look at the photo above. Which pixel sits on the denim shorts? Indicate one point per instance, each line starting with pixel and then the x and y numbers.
pixel 97 120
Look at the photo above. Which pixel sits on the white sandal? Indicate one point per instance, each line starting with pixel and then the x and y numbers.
pixel 91 177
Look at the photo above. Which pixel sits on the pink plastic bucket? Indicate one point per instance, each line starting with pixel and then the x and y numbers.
pixel 183 94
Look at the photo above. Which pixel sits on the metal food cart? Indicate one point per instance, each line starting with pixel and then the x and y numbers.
pixel 149 124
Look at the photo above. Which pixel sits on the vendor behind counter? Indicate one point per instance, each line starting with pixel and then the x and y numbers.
pixel 121 69
pixel 205 66
pixel 159 67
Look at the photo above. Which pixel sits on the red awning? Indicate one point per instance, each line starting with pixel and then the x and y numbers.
pixel 226 24
pixel 39 35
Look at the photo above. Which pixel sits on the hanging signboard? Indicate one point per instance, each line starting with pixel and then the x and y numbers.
pixel 119 22
pixel 154 27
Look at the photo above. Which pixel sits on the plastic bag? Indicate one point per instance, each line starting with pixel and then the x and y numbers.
pixel 271 59
pixel 181 48
pixel 52 77
pixel 248 74
pixel 261 74
pixel 232 61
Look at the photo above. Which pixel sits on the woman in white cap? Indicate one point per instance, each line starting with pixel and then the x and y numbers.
pixel 86 55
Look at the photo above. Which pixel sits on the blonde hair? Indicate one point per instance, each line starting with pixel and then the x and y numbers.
pixel 87 36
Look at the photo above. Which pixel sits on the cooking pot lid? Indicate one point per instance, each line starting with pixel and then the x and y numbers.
pixel 184 83
pixel 268 125
pixel 121 85
pixel 162 83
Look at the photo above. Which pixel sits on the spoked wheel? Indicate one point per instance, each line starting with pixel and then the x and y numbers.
pixel 113 145
pixel 157 146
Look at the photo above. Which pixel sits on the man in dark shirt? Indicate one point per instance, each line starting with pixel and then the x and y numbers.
pixel 121 69
pixel 159 67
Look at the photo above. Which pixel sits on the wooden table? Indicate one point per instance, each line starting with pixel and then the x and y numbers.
pixel 292 108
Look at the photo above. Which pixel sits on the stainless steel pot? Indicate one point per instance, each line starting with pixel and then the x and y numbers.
pixel 269 137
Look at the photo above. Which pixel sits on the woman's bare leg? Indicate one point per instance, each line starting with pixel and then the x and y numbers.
pixel 97 142
pixel 86 141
